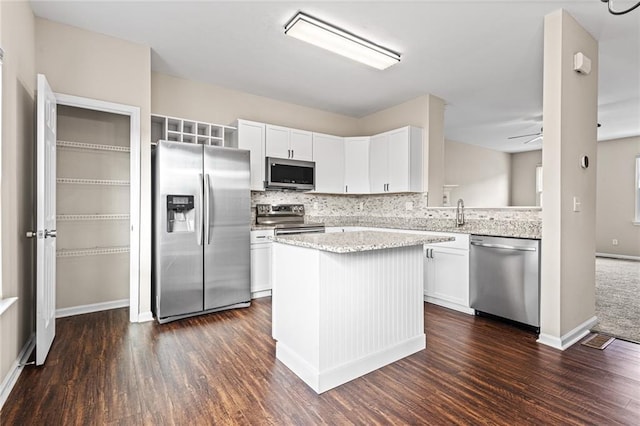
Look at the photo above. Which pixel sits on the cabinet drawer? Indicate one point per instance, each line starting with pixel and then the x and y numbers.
pixel 261 236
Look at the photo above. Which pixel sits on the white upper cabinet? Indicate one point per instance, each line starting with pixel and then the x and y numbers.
pixel 283 142
pixel 251 136
pixel 378 162
pixel 399 167
pixel 385 163
pixel 301 143
pixel 277 141
pixel 328 153
pixel 396 161
pixel 356 167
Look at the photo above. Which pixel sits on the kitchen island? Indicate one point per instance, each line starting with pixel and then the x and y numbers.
pixel 345 304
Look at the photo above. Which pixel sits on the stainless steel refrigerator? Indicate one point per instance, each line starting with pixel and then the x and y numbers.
pixel 201 226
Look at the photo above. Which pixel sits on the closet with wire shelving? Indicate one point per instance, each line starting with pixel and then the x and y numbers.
pixel 93 167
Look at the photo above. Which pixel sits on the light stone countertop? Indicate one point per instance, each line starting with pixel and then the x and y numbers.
pixel 494 227
pixel 350 242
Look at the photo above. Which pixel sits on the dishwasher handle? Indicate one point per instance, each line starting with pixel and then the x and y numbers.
pixel 503 246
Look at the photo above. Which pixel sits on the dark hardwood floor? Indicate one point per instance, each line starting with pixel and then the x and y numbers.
pixel 221 368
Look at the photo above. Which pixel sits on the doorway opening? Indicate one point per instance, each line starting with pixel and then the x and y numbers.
pixel 98 206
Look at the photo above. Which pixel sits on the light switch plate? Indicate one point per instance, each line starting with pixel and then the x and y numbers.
pixel 576 204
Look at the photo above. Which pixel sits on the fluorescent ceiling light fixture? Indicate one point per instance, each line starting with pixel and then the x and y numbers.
pixel 336 40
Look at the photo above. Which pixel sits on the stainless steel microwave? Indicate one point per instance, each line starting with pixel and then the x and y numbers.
pixel 289 174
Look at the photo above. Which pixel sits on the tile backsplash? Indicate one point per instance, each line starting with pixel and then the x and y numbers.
pixel 409 206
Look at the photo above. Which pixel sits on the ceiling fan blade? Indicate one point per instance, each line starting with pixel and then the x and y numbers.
pixel 524 136
pixel 539 137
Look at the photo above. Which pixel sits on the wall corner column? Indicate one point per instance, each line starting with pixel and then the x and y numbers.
pixel 434 151
pixel 570 111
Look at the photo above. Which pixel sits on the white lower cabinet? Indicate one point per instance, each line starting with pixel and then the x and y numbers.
pixel 261 263
pixel 446 273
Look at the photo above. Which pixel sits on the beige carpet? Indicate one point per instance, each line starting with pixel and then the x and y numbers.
pixel 618 298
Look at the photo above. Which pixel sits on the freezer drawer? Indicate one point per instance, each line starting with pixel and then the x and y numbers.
pixel 504 278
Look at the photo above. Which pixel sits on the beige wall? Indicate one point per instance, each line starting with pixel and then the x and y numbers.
pixel 568 237
pixel 616 197
pixel 18 173
pixel 523 177
pixel 92 65
pixel 182 98
pixel 427 112
pixel 482 174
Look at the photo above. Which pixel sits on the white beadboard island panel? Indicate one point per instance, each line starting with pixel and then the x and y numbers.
pixel 338 316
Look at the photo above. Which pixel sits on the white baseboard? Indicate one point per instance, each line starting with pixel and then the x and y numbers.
pixel 261 293
pixel 570 338
pixel 449 305
pixel 618 256
pixel 145 316
pixel 94 307
pixel 16 368
pixel 321 381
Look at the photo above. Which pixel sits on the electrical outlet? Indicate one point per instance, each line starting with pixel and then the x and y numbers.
pixel 614 241
pixel 408 205
pixel 576 204
pixel 361 206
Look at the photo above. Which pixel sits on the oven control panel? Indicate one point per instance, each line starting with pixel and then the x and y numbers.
pixel 280 209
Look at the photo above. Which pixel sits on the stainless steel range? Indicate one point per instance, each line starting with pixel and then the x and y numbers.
pixel 285 218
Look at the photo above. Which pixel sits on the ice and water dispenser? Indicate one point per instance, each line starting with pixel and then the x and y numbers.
pixel 180 213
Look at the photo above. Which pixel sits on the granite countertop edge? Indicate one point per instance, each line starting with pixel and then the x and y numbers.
pixel 514 229
pixel 358 241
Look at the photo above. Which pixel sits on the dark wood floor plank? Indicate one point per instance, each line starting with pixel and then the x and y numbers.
pixel 221 369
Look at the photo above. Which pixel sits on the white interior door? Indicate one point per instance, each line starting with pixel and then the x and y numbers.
pixel 46 220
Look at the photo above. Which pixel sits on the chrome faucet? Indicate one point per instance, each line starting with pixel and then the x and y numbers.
pixel 460 213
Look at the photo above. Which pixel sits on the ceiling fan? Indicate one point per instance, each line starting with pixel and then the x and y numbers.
pixel 533 137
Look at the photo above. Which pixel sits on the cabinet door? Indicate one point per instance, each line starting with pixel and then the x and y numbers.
pixel 356 165
pixel 260 267
pixel 447 275
pixel 301 145
pixel 398 160
pixel 378 168
pixel 328 153
pixel 277 142
pixel 251 136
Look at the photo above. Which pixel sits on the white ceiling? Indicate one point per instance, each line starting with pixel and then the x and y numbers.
pixel 483 58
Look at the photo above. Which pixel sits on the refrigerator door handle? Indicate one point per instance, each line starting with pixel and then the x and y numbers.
pixel 207 203
pixel 199 224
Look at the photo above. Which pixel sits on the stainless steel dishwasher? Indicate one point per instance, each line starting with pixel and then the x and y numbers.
pixel 504 278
